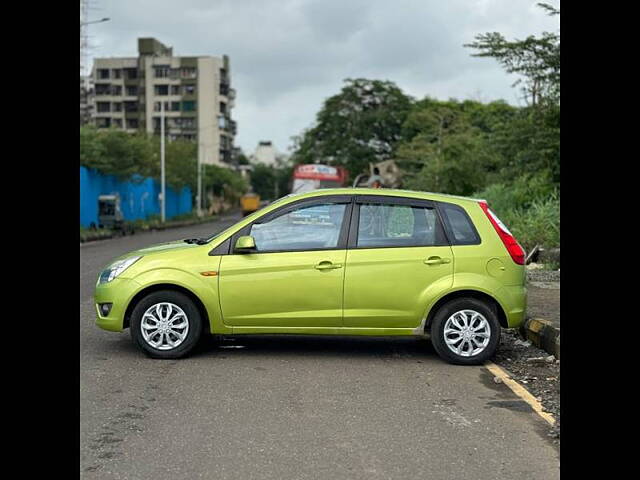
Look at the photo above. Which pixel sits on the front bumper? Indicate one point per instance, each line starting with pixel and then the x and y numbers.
pixel 119 292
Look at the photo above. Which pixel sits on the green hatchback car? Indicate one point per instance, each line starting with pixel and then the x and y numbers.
pixel 346 261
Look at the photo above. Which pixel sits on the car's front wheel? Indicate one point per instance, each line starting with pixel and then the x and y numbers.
pixel 465 331
pixel 166 324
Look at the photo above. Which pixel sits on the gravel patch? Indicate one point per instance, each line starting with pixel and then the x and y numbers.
pixel 535 369
pixel 543 276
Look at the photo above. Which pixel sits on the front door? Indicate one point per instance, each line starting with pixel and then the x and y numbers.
pixel 398 255
pixel 295 277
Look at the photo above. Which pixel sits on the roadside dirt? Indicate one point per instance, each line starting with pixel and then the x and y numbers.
pixel 532 367
pixel 543 293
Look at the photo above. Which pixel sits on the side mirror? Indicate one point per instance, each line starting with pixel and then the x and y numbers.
pixel 245 244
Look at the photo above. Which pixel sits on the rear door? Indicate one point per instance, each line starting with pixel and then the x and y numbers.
pixel 397 251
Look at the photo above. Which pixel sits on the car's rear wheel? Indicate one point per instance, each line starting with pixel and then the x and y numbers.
pixel 465 331
pixel 166 324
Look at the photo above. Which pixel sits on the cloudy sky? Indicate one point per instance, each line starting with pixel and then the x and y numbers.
pixel 287 56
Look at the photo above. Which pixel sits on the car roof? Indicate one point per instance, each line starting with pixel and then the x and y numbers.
pixel 384 192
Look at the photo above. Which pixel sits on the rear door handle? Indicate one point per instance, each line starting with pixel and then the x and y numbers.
pixel 326 265
pixel 436 260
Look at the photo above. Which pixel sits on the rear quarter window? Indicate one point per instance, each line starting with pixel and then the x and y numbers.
pixel 459 226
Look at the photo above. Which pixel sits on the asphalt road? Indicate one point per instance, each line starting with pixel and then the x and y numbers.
pixel 293 408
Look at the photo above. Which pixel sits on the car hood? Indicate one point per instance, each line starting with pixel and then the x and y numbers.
pixel 159 249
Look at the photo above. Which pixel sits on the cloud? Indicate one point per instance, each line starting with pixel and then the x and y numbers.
pixel 287 56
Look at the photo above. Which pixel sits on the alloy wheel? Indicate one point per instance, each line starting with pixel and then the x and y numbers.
pixel 467 333
pixel 164 326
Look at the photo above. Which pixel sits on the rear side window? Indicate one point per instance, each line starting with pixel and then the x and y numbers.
pixel 383 226
pixel 459 226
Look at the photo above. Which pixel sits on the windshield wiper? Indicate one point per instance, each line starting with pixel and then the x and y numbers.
pixel 198 241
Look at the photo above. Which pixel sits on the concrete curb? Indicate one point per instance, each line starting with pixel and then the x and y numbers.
pixel 543 334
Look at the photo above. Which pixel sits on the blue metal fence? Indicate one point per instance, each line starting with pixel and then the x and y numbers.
pixel 138 200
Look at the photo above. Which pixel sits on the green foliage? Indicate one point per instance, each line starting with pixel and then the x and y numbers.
pixel 181 164
pixel 538 224
pixel 447 151
pixel 127 156
pixel 87 235
pixel 223 182
pixel 270 182
pixel 361 124
pixel 115 152
pixel 242 159
pixel 91 149
pixel 520 193
pixel 530 141
pixel 537 59
pixel 529 206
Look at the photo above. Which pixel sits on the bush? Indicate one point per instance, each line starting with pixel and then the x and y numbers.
pixel 87 234
pixel 521 193
pixel 537 225
pixel 530 207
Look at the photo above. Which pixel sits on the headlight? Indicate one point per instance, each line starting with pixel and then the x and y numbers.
pixel 116 268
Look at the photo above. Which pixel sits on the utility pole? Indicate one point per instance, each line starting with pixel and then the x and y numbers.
pixel 84 36
pixel 162 179
pixel 200 152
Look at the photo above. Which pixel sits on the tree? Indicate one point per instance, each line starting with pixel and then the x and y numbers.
pixel 263 181
pixel 181 164
pixel 91 149
pixel 445 153
pixel 361 124
pixel 222 182
pixel 530 143
pixel 114 152
pixel 537 59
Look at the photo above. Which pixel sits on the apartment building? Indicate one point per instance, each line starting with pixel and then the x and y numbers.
pixel 268 154
pixel 196 92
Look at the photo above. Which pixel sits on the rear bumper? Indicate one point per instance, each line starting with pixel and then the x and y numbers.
pixel 119 292
pixel 514 302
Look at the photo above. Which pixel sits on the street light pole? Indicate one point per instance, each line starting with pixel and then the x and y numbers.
pixel 162 179
pixel 106 19
pixel 200 183
pixel 84 38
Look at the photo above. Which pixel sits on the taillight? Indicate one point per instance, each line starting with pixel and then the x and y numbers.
pixel 513 247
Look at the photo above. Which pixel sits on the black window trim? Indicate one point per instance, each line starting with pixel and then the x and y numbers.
pixel 222 249
pixel 391 200
pixel 348 238
pixel 440 206
pixel 283 210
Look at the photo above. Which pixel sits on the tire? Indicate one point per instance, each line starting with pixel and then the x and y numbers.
pixel 176 306
pixel 458 310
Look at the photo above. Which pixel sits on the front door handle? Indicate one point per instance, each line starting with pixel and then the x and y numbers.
pixel 436 260
pixel 326 265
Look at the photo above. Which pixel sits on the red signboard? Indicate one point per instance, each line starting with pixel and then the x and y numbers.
pixel 320 172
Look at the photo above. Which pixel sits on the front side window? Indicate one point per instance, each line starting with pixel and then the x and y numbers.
pixel 382 225
pixel 313 227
